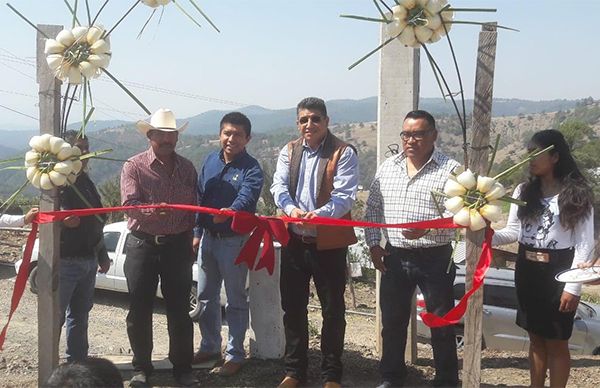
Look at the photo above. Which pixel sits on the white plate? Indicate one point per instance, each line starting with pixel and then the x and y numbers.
pixel 579 275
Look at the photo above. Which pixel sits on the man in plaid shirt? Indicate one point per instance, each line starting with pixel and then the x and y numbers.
pixel 401 192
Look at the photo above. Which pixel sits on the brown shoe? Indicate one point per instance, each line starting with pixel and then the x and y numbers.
pixel 332 384
pixel 229 368
pixel 289 382
pixel 201 357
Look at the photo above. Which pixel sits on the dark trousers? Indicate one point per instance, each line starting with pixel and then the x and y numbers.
pixel 144 265
pixel 300 261
pixel 407 268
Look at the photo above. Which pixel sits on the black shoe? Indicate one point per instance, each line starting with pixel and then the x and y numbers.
pixel 187 379
pixel 139 379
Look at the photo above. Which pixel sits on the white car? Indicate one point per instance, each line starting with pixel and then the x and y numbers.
pixel 115 238
pixel 499 329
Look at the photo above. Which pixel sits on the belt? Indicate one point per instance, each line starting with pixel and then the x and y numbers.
pixel 419 250
pixel 304 239
pixel 156 239
pixel 540 257
pixel 220 235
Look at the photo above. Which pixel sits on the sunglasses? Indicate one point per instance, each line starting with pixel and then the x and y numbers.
pixel 315 119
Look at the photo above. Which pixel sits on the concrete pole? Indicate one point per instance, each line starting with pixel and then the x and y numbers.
pixel 267 340
pixel 399 71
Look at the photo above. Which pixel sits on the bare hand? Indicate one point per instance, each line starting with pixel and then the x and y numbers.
pixel 163 211
pixel 72 221
pixel 377 254
pixel 220 218
pixel 568 302
pixel 413 234
pixel 30 215
pixel 104 267
pixel 196 245
pixel 297 213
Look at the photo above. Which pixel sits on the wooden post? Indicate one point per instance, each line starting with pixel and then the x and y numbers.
pixel 482 118
pixel 48 260
pixel 398 94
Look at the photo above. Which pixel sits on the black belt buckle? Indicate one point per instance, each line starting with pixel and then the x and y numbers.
pixel 160 239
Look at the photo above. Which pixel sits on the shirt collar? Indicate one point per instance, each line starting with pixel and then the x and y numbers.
pixel 306 146
pixel 239 156
pixel 151 157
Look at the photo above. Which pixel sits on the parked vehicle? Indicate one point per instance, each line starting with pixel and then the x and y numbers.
pixel 115 239
pixel 499 329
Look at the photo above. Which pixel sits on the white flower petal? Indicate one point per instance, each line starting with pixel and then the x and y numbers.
pixel 75 151
pixel 31 158
pixel 463 217
pixel 485 183
pixel 151 3
pixel 88 70
pixel 454 204
pixel 99 60
pixel 65 37
pixel 467 179
pixel 57 178
pixel 35 179
pixel 65 152
pixel 44 142
pixel 79 33
pixel 434 22
pixel 64 167
pixel 93 34
pixel 45 182
pixel 408 4
pixel 53 47
pixel 399 12
pixel 101 46
pixel 477 222
pixel 30 173
pixel 54 61
pixel 453 188
pixel 407 37
pixel 497 191
pixel 492 211
pixel 423 33
pixel 56 144
pixel 395 28
pixel 77 166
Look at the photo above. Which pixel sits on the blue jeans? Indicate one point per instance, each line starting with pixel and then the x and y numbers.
pixel 407 268
pixel 215 265
pixel 76 294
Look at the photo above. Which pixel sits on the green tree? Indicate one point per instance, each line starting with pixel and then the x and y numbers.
pixel 110 193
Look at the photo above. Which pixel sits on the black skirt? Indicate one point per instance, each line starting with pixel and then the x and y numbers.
pixel 539 293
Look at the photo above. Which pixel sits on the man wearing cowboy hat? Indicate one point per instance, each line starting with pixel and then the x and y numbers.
pixel 160 246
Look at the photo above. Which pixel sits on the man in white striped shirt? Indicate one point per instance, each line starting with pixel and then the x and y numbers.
pixel 401 192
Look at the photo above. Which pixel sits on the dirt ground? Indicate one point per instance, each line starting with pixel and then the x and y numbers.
pixel 108 337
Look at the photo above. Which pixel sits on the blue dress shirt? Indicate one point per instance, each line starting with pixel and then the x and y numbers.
pixel 345 184
pixel 235 185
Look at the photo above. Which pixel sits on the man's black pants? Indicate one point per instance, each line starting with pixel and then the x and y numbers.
pixel 407 268
pixel 300 262
pixel 172 262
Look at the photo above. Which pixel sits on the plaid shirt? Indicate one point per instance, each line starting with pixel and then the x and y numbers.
pixel 144 180
pixel 396 198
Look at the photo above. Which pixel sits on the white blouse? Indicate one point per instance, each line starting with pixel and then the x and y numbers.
pixel 7 220
pixel 548 233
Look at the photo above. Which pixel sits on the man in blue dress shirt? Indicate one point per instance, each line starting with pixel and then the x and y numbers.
pixel 316 175
pixel 229 179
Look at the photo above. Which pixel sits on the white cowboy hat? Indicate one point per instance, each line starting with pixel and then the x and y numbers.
pixel 162 120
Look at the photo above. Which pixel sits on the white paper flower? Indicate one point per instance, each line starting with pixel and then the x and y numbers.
pixel 78 53
pixel 417 22
pixel 473 199
pixel 51 161
pixel 155 3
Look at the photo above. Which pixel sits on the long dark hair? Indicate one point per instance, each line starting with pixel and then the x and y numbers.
pixel 575 198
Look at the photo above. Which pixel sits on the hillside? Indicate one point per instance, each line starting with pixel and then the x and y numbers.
pixel 515 131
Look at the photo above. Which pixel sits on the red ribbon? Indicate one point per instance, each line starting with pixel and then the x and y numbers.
pixel 262 229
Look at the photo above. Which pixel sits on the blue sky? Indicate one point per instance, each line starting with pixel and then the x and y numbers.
pixel 274 52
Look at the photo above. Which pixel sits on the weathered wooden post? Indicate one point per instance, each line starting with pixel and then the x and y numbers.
pixel 48 325
pixel 478 162
pixel 398 94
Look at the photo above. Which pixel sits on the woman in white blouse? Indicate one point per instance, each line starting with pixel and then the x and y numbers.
pixel 7 220
pixel 555 232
